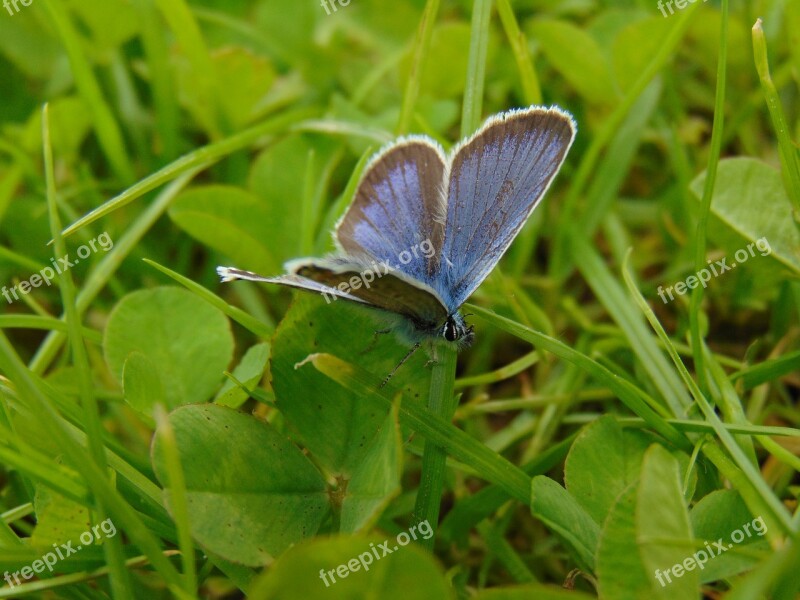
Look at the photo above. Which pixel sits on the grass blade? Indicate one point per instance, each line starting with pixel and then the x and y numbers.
pixel 750 473
pixel 422 46
pixel 197 159
pixel 634 398
pixel 120 578
pixel 245 320
pixel 456 443
pixel 790 162
pixel 105 125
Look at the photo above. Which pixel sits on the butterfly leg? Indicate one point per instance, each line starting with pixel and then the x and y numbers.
pixel 375 340
pixel 414 348
pixel 434 359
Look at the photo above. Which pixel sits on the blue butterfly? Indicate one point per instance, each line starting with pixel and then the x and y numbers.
pixel 466 207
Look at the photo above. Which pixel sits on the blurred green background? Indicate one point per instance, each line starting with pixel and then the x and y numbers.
pixel 196 133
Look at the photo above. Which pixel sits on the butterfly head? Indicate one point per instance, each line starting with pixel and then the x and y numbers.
pixel 455 330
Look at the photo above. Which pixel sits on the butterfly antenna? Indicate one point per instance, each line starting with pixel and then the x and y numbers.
pixel 414 348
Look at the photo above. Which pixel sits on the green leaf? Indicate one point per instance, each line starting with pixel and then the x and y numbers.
pixel 245 78
pixel 663 532
pixel 185 167
pixel 635 46
pixel 577 57
pixel 445 75
pixel 629 394
pixel 105 125
pixel 58 519
pixel 276 179
pixel 336 426
pixel 376 479
pixel 408 572
pixel 249 322
pixel 249 371
pixel 716 517
pixel 749 198
pixel 621 573
pixel 31 48
pixel 110 22
pixel 188 341
pixel 611 293
pixel 241 80
pixel 230 220
pixel 603 461
pixel 528 592
pixel 141 383
pixel 769 370
pixel 461 446
pixel 286 26
pixel 251 493
pixel 70 122
pixel 552 504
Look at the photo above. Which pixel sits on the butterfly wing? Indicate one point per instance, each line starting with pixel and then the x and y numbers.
pixel 497 177
pixel 468 211
pixel 376 285
pixel 398 206
pixel 290 280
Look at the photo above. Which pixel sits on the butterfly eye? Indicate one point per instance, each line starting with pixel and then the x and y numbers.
pixel 451 333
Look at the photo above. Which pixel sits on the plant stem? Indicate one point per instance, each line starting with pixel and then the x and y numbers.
pixel 705 209
pixel 476 67
pixel 788 152
pixel 421 50
pixel 441 401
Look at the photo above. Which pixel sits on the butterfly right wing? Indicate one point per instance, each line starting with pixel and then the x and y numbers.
pixel 497 177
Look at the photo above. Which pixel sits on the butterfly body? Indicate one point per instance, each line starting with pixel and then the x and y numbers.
pixel 425 228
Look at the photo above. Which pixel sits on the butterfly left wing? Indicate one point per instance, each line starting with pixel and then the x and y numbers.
pixel 290 280
pixel 375 285
pixel 378 286
pixel 497 178
pixel 398 206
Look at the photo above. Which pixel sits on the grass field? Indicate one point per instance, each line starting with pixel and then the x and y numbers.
pixel 625 424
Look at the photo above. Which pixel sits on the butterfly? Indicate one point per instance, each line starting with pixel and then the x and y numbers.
pixel 428 227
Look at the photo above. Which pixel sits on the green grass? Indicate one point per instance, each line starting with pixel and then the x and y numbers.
pixel 236 435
